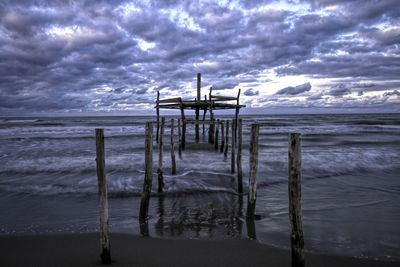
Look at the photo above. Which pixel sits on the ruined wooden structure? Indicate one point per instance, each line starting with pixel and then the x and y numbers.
pixel 217 129
pixel 213 103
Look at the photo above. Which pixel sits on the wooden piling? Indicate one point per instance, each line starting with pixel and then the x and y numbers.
pixel 183 125
pixel 237 112
pixel 158 115
pixel 204 115
pixel 251 201
pixel 197 108
pixel 226 140
pixel 173 163
pixel 233 147
pixel 211 127
pixel 103 206
pixel 148 175
pixel 216 135
pixel 239 158
pixel 294 189
pixel 222 137
pixel 160 157
pixel 179 139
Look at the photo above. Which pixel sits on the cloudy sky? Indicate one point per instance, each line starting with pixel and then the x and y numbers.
pixel 68 57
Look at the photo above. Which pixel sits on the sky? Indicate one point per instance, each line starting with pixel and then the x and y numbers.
pixel 111 57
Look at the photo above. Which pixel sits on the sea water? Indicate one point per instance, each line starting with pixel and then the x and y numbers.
pixel 350 183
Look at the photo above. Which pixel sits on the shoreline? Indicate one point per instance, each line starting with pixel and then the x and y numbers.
pixel 131 250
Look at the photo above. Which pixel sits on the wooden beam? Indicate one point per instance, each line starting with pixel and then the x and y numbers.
pixel 103 206
pixel 239 158
pixel 173 163
pixel 169 100
pixel 252 196
pixel 158 115
pixel 294 189
pixel 148 175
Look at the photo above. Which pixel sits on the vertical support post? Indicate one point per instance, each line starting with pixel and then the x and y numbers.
pixel 294 188
pixel 180 139
pixel 239 158
pixel 158 115
pixel 216 135
pixel 160 157
pixel 204 115
pixel 148 174
pixel 183 125
pixel 233 148
pixel 251 202
pixel 197 108
pixel 211 129
pixel 103 206
pixel 227 140
pixel 173 163
pixel 237 112
pixel 222 137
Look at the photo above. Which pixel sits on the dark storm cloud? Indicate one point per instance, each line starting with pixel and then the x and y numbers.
pixel 251 92
pixel 294 90
pixel 339 90
pixel 89 55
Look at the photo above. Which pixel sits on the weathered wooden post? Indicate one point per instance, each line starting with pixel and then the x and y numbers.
pixel 237 112
pixel 251 202
pixel 179 139
pixel 294 188
pixel 160 157
pixel 239 158
pixel 233 147
pixel 197 107
pixel 211 128
pixel 227 140
pixel 148 175
pixel 183 125
pixel 222 137
pixel 158 115
pixel 204 115
pixel 216 135
pixel 103 206
pixel 173 163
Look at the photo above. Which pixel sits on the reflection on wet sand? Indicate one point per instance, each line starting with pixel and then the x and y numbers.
pixel 192 217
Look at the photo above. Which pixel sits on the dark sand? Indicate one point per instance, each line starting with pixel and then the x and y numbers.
pixel 129 250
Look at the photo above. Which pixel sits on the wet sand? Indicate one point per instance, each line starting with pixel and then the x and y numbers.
pixel 130 250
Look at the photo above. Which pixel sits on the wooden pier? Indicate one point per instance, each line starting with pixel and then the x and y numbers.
pixel 213 103
pixel 218 130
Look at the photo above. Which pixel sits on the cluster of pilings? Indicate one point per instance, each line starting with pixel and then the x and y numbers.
pixel 294 184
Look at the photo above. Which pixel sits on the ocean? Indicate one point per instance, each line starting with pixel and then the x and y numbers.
pixel 350 183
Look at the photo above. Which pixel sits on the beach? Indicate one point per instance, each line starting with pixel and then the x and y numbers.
pixel 131 250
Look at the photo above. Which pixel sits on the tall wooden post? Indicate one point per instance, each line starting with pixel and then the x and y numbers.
pixel 160 157
pixel 148 174
pixel 173 163
pixel 180 139
pixel 216 135
pixel 197 108
pixel 158 115
pixel 233 148
pixel 211 129
pixel 222 137
pixel 103 206
pixel 183 125
pixel 294 188
pixel 251 202
pixel 239 158
pixel 226 140
pixel 237 112
pixel 204 115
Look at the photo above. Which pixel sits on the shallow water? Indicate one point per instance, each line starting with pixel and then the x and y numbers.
pixel 350 187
